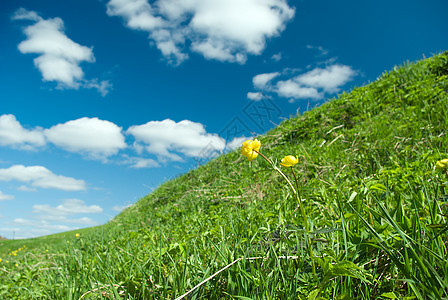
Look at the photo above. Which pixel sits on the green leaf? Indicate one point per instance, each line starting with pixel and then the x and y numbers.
pixel 390 295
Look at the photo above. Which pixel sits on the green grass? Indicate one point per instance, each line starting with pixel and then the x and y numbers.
pixel 376 206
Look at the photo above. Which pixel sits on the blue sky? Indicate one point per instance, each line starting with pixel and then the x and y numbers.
pixel 101 101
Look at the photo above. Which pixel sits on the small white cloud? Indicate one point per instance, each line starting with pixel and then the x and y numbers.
pixel 139 14
pixel 23 14
pixel 261 80
pixel 93 137
pixel 68 207
pixel 14 135
pixel 52 219
pixel 104 87
pixel 142 163
pixel 291 89
pixel 236 143
pixel 25 188
pixel 255 96
pixel 320 49
pixel 217 50
pixel 41 225
pixel 120 208
pixel 314 84
pixel 64 219
pixel 329 79
pixel 165 138
pixel 4 197
pixel 23 222
pixel 59 57
pixel 41 177
pixel 277 57
pixel 221 30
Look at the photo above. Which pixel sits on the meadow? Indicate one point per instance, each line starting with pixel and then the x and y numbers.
pixel 364 218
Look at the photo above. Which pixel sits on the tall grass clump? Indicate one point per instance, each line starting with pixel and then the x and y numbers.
pixel 347 201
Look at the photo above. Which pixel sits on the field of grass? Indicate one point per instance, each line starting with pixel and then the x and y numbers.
pixel 370 221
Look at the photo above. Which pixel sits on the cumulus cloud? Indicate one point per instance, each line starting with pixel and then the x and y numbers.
pixel 292 89
pixel 141 163
pixel 168 138
pixel 236 143
pixel 328 79
pixel 93 137
pixel 14 135
pixel 120 208
pixel 41 177
pixel 255 96
pixel 220 30
pixel 261 80
pixel 314 84
pixel 4 197
pixel 68 207
pixel 59 57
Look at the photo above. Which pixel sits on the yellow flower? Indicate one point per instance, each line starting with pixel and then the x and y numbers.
pixel 250 149
pixel 77 235
pixel 289 161
pixel 0 260
pixel 442 164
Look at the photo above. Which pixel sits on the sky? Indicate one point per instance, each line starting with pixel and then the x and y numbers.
pixel 101 101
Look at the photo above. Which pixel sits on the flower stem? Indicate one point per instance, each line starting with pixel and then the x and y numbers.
pixel 302 209
pixel 305 219
pixel 278 170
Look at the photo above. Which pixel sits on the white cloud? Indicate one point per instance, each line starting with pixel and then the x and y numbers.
pixel 163 138
pixel 93 137
pixel 217 50
pixel 320 49
pixel 222 30
pixel 68 207
pixel 261 80
pixel 64 219
pixel 255 96
pixel 41 177
pixel 51 219
pixel 23 14
pixel 291 89
pixel 41 225
pixel 277 57
pixel 142 163
pixel 314 84
pixel 13 134
pixel 329 79
pixel 236 143
pixel 103 87
pixel 25 188
pixel 59 57
pixel 120 208
pixel 4 197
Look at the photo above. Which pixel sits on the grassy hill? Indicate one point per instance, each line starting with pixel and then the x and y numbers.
pixel 376 210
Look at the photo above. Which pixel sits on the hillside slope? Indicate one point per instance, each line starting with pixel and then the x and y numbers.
pixel 375 204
